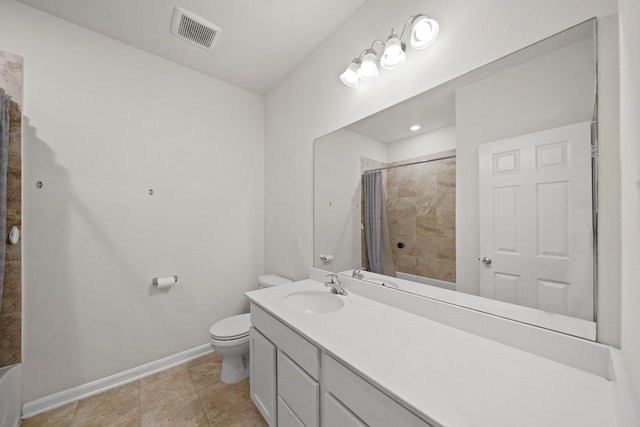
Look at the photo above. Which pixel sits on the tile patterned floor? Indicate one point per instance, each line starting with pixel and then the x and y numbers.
pixel 190 394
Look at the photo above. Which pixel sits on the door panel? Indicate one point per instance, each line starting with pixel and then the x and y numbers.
pixel 536 221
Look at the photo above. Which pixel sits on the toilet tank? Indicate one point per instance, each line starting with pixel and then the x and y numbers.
pixel 269 280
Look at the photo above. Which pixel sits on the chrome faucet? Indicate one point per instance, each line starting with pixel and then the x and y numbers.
pixel 335 284
pixel 357 273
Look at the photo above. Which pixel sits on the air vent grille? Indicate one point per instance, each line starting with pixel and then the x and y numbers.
pixel 194 29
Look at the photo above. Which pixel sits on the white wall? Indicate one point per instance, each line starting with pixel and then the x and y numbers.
pixel 546 92
pixel 103 124
pixel 337 184
pixel 630 187
pixel 312 102
pixel 432 142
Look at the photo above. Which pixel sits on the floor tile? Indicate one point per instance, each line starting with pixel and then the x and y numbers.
pixel 242 415
pixel 187 395
pixel 116 407
pixel 163 375
pixel 164 387
pixel 59 417
pixel 219 397
pixel 205 370
pixel 185 411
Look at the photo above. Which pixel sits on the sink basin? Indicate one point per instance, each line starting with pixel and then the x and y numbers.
pixel 314 302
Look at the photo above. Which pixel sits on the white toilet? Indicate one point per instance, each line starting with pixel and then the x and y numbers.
pixel 230 338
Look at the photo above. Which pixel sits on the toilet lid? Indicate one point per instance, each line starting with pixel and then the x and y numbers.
pixel 231 328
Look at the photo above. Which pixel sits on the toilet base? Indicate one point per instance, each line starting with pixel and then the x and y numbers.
pixel 234 368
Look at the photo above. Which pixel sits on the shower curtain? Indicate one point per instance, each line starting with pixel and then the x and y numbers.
pixel 376 230
pixel 4 148
pixel 373 220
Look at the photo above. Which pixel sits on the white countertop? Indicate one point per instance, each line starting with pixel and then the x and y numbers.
pixel 449 376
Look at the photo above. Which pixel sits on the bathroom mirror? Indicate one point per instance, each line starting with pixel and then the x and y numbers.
pixel 477 192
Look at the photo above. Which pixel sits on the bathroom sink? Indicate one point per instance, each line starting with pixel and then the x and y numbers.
pixel 314 302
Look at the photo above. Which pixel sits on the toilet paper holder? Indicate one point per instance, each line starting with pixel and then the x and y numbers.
pixel 155 280
pixel 326 259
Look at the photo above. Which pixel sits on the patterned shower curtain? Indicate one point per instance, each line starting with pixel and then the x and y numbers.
pixel 5 122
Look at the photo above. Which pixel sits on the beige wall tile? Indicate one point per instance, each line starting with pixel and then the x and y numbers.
pixel 406 263
pixel 11 76
pixel 10 338
pixel 425 247
pixel 446 249
pixel 427 225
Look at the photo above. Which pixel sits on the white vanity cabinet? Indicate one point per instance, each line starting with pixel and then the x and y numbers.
pixel 289 374
pixel 295 398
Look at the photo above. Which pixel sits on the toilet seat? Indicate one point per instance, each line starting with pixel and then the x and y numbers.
pixel 231 328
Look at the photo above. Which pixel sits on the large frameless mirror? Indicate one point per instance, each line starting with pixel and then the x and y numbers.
pixel 478 192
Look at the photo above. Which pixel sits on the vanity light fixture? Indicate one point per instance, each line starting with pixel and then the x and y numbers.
pixel 392 53
pixel 368 67
pixel 350 76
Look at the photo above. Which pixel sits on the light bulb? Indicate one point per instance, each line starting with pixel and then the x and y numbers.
pixel 393 56
pixel 423 31
pixel 414 128
pixel 368 68
pixel 350 75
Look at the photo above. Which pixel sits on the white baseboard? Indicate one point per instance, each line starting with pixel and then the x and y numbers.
pixel 83 391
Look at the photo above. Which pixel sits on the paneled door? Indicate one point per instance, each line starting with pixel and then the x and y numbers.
pixel 536 221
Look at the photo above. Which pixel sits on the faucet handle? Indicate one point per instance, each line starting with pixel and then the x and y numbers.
pixel 334 279
pixel 335 284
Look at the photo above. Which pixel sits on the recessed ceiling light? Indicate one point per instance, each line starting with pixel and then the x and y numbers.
pixel 414 128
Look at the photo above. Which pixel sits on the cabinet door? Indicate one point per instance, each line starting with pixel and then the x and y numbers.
pixel 335 413
pixel 263 375
pixel 286 417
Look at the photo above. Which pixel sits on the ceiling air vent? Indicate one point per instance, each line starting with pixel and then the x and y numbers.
pixel 194 29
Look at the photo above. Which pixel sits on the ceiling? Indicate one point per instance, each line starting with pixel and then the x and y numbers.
pixel 261 41
pixel 430 110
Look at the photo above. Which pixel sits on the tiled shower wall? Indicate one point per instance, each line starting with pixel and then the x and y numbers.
pixel 11 310
pixel 421 212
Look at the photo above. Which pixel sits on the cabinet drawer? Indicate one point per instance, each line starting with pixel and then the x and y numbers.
pixel 367 402
pixel 299 391
pixel 297 348
pixel 335 413
pixel 286 417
